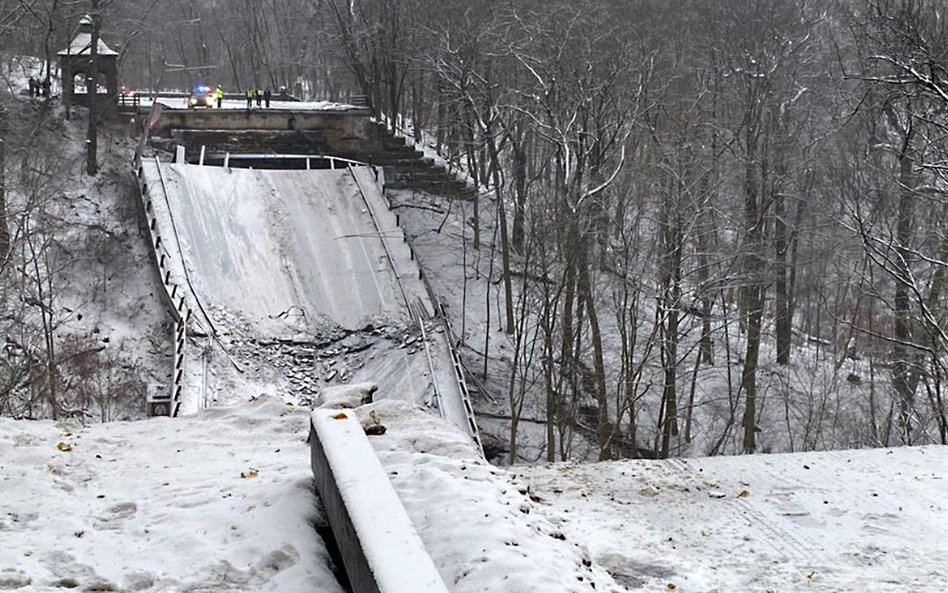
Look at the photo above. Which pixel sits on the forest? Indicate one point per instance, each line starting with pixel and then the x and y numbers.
pixel 718 227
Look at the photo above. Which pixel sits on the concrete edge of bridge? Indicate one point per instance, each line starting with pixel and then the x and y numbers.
pixel 380 547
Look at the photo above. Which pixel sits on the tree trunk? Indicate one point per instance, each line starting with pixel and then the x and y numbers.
pixel 504 236
pixel 755 309
pixel 519 166
pixel 603 427
pixel 551 391
pixel 671 241
pixel 903 380
pixel 752 291
pixel 4 231
pixel 92 93
pixel 566 381
pixel 705 243
pixel 781 297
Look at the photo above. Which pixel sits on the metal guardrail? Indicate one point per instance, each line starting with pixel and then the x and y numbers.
pixel 335 162
pixel 456 363
pixel 167 403
pixel 126 100
pixel 434 383
pixel 460 375
pixel 419 319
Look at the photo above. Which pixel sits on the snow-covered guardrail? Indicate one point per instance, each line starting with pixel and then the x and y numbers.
pixel 460 375
pixel 381 550
pixel 456 363
pixel 167 403
pixel 307 160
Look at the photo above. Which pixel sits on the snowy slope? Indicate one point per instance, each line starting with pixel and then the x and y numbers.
pixel 161 504
pixel 869 521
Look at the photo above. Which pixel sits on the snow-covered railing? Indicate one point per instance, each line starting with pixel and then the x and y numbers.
pixel 456 364
pixel 431 368
pixel 335 162
pixel 455 359
pixel 380 547
pixel 169 402
pixel 460 376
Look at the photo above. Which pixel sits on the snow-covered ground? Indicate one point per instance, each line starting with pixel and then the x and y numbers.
pixel 223 501
pixel 479 522
pixel 867 520
pixel 219 501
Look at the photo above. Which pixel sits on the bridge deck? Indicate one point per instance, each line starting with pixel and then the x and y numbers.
pixel 299 253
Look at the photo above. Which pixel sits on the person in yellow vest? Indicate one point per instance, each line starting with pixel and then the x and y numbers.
pixel 219 95
pixel 249 94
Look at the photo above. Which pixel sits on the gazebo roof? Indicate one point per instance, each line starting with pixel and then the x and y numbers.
pixel 83 42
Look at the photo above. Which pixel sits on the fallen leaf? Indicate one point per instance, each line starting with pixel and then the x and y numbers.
pixel 339 416
pixel 62 446
pixel 743 494
pixel 250 473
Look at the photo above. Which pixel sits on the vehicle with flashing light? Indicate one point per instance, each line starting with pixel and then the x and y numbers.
pixel 201 95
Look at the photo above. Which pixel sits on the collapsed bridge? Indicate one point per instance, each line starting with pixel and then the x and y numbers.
pixel 300 278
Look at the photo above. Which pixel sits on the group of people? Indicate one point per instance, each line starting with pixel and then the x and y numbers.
pixel 260 96
pixel 255 94
pixel 38 88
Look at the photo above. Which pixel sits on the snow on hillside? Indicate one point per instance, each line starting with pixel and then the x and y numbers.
pixel 824 399
pixel 104 306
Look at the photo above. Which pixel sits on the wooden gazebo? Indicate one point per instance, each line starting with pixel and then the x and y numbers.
pixel 77 59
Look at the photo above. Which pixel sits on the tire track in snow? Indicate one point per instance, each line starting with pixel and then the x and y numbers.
pixel 786 538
